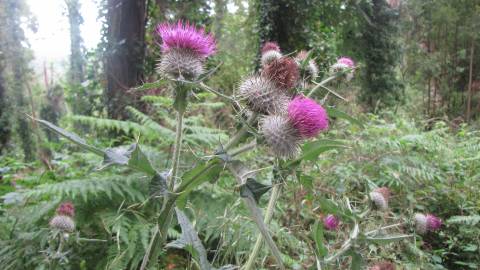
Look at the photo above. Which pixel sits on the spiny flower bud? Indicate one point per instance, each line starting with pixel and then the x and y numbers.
pixel 380 197
pixel 184 48
pixel 262 96
pixel 270 52
pixel 181 64
pixel 62 223
pixel 280 136
pixel 311 67
pixel 66 209
pixel 426 223
pixel 331 222
pixel 283 72
pixel 383 266
pixel 307 116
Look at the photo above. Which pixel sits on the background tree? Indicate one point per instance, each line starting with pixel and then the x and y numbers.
pixel 125 53
pixel 17 58
pixel 78 96
pixel 381 54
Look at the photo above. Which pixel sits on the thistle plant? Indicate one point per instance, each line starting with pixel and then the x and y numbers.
pixel 283 116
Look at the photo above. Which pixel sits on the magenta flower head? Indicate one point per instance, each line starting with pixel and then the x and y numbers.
pixel 348 62
pixel 270 53
pixel 307 116
pixel 66 209
pixel 426 223
pixel 184 49
pixel 331 222
pixel 186 36
pixel 270 46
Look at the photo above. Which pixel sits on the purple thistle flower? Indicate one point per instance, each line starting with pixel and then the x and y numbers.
pixel 66 209
pixel 270 46
pixel 433 223
pixel 348 62
pixel 307 116
pixel 331 222
pixel 426 223
pixel 182 35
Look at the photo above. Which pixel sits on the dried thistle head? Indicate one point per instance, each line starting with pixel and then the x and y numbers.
pixel 283 72
pixel 280 136
pixel 262 96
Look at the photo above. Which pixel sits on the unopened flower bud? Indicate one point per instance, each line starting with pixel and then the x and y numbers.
pixel 280 136
pixel 380 197
pixel 262 96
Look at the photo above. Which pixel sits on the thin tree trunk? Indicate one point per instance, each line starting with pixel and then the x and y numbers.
pixel 470 79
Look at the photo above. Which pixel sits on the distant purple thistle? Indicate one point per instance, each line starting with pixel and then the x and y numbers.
pixel 182 35
pixel 331 222
pixel 346 61
pixel 307 116
pixel 270 46
pixel 433 223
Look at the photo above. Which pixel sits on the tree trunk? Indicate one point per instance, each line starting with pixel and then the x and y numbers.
pixel 4 108
pixel 470 79
pixel 77 61
pixel 125 53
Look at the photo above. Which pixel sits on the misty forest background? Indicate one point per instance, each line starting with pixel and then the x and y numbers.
pixel 413 105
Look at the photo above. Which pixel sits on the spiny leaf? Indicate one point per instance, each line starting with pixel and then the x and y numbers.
pixel 254 189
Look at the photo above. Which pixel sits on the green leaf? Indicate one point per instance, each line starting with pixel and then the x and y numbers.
pixel 357 260
pixel 130 156
pixel 329 206
pixel 206 171
pixel 311 150
pixel 139 161
pixel 383 240
pixel 70 136
pixel 190 241
pixel 254 189
pixel 333 112
pixel 318 237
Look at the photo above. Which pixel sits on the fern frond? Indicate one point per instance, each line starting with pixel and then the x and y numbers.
pixel 88 189
pixel 468 220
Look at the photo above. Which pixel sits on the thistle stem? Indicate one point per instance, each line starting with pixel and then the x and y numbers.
pixel 176 149
pixel 256 215
pixel 243 148
pixel 268 217
pixel 241 132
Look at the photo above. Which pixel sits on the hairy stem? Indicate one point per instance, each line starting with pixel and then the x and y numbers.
pixel 256 215
pixel 268 217
pixel 176 149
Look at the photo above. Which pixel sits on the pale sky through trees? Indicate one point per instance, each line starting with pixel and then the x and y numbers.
pixel 51 43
